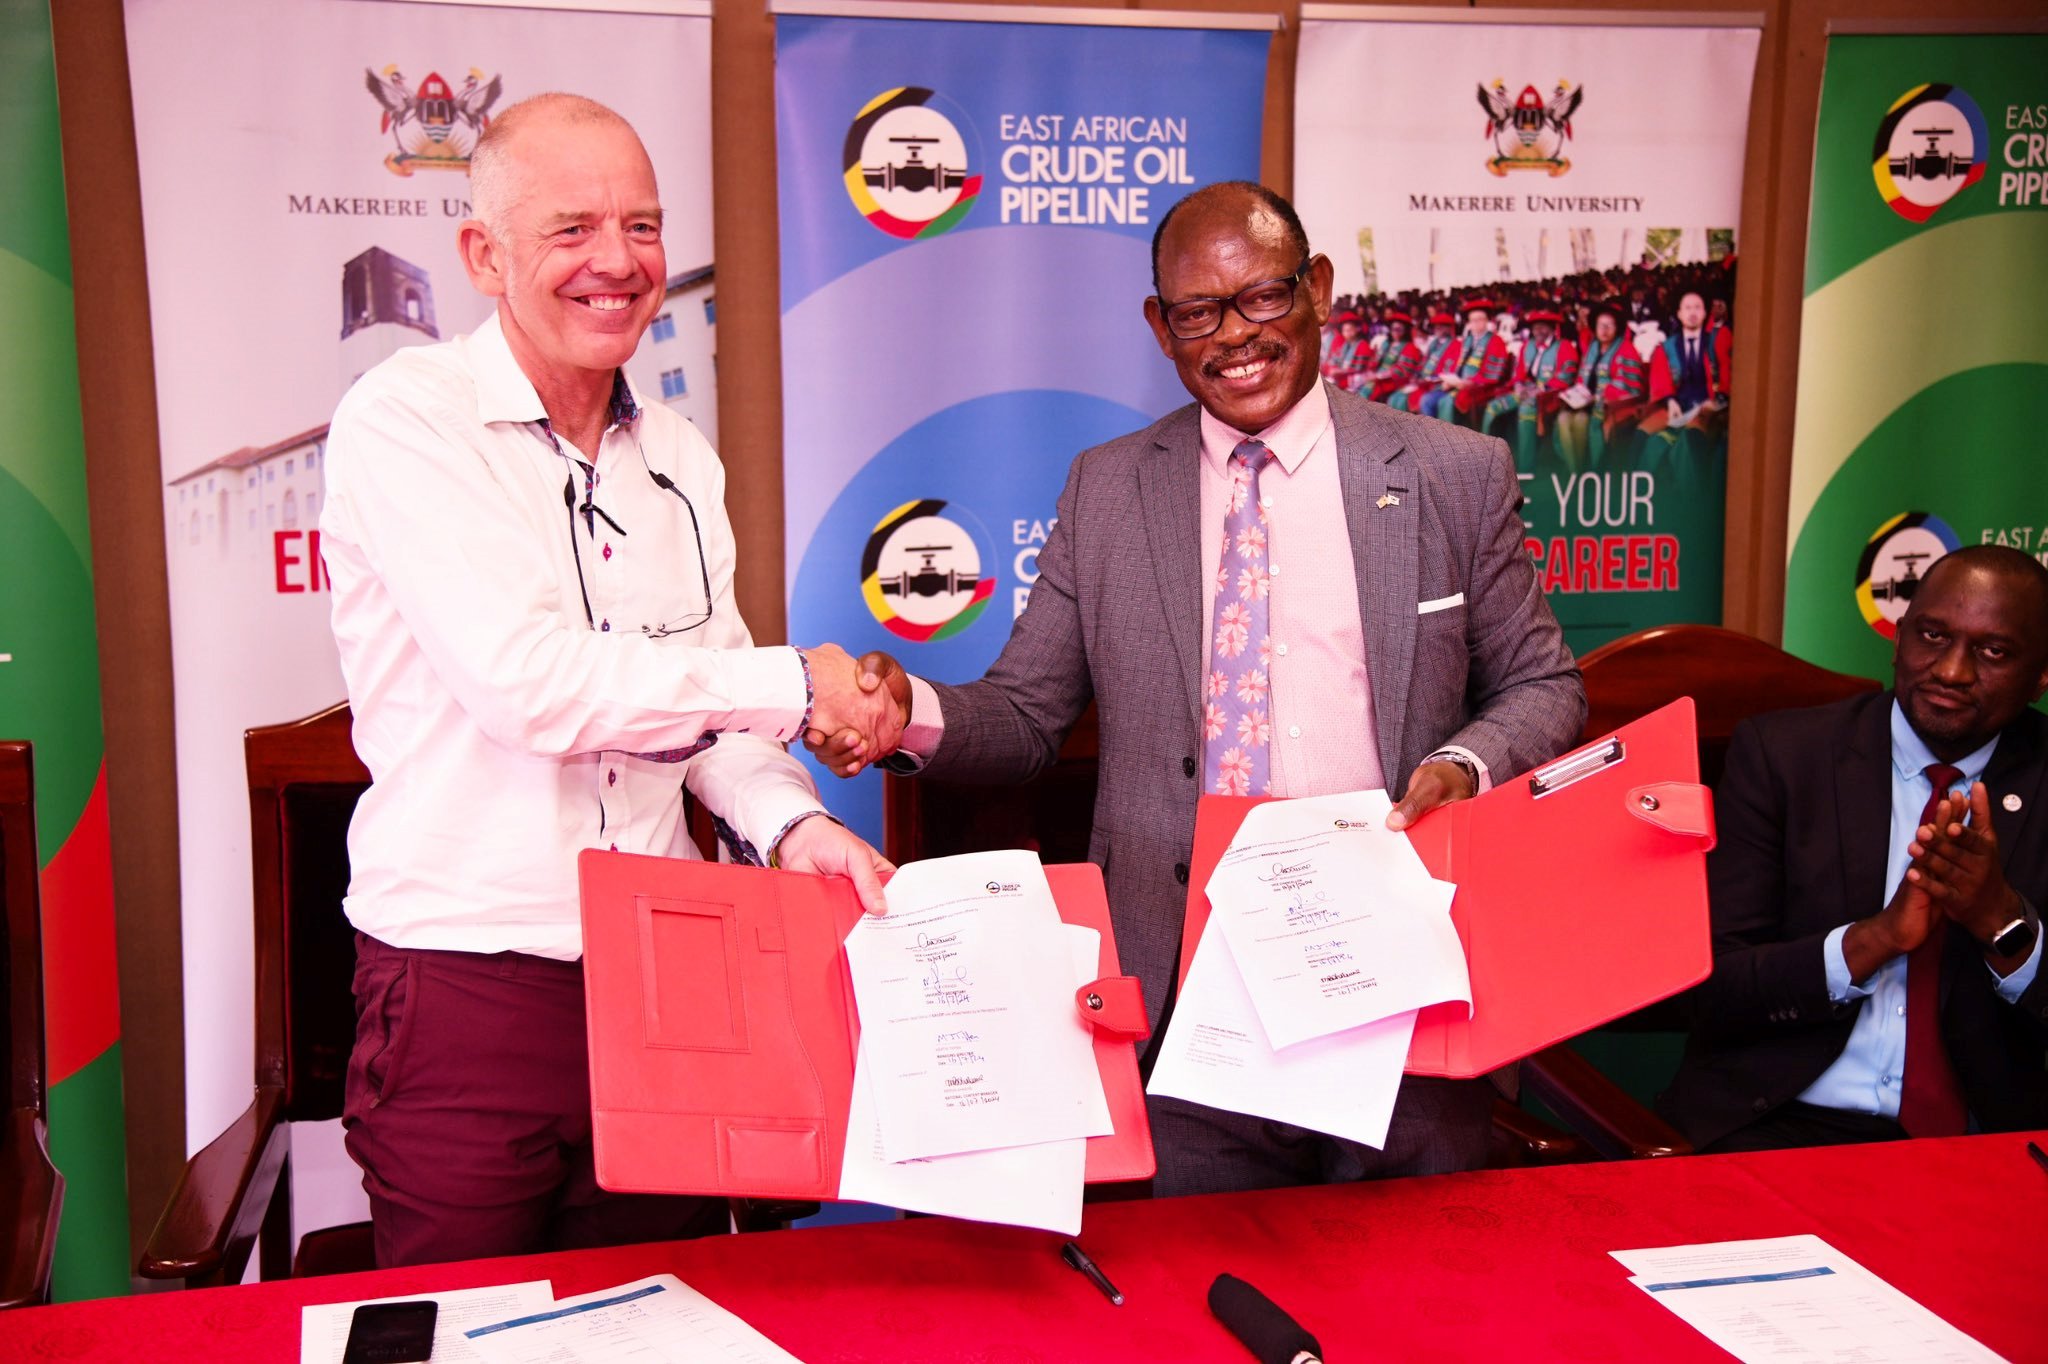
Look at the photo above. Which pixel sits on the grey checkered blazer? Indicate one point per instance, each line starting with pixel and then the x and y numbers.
pixel 1117 615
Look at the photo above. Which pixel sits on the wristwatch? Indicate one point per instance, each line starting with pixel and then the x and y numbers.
pixel 1470 768
pixel 2016 938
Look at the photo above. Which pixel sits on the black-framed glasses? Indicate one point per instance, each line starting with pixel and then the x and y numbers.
pixel 591 512
pixel 1191 319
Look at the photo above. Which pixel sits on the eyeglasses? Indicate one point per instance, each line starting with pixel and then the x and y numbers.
pixel 1191 319
pixel 591 512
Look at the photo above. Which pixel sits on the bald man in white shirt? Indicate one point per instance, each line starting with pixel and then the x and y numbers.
pixel 533 599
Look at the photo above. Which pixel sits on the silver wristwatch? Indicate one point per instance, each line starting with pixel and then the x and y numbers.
pixel 2016 938
pixel 1445 755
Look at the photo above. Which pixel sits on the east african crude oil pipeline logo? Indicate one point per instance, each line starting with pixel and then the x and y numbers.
pixel 1529 132
pixel 907 163
pixel 921 573
pixel 1930 147
pixel 1894 564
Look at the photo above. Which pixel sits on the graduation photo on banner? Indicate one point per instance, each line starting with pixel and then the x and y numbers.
pixel 1533 223
pixel 1930 202
pixel 296 237
pixel 967 208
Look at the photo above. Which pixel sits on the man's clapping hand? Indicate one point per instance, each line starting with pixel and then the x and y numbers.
pixel 1960 870
pixel 851 707
pixel 847 746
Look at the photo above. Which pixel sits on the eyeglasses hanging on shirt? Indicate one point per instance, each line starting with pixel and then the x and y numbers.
pixel 682 620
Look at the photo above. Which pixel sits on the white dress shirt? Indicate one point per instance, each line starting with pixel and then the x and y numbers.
pixel 1325 737
pixel 505 729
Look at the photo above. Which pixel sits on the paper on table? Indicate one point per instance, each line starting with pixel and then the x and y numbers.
pixel 1333 920
pixel 323 1327
pixel 966 1006
pixel 1025 1186
pixel 656 1320
pixel 1794 1300
pixel 1215 1053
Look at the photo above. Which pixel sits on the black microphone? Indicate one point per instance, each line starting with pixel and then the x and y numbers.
pixel 1269 1333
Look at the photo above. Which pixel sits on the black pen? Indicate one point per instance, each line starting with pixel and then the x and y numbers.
pixel 2040 1156
pixel 1072 1253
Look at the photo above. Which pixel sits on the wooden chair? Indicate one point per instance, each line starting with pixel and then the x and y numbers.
pixel 1730 677
pixel 31 1190
pixel 1051 816
pixel 235 1195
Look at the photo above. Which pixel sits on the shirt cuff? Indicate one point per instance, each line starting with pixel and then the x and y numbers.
pixel 927 723
pixel 771 691
pixel 1841 989
pixel 2011 987
pixel 775 843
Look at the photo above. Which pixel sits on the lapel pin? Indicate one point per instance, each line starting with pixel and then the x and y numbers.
pixel 2011 802
pixel 1387 500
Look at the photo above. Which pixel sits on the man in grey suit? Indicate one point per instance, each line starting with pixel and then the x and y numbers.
pixel 1406 643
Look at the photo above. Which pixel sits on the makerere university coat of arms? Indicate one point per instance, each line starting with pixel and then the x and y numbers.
pixel 435 127
pixel 1529 132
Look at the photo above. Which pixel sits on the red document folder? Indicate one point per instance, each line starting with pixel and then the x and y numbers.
pixel 723 1029
pixel 1582 892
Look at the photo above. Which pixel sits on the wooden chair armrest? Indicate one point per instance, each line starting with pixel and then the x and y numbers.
pixel 1526 1139
pixel 31 1199
pixel 208 1227
pixel 1597 1109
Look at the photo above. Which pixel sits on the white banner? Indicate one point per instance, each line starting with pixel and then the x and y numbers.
pixel 1533 223
pixel 1445 155
pixel 303 168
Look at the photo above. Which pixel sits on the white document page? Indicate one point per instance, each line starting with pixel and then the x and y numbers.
pixel 1333 920
pixel 656 1320
pixel 966 1011
pixel 323 1327
pixel 1215 1053
pixel 1795 1300
pixel 1023 1186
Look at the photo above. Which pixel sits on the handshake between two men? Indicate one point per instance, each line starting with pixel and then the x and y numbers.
pixel 859 709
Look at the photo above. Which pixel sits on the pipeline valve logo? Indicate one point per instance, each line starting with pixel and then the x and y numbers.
pixel 907 164
pixel 921 574
pixel 1528 132
pixel 434 126
pixel 1930 148
pixel 1894 563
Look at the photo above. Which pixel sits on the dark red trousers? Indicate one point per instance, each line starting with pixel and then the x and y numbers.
pixel 468 1107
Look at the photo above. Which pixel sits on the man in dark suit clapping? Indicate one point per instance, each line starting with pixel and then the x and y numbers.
pixel 1877 890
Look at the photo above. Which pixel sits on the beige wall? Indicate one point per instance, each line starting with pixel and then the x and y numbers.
pixel 117 380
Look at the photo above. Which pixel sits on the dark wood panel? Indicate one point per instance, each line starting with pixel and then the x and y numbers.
pixel 124 484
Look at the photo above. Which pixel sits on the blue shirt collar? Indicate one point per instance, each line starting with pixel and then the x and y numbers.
pixel 1910 754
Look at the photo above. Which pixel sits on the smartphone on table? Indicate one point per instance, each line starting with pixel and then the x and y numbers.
pixel 391 1333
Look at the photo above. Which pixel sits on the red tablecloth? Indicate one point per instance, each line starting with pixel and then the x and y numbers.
pixel 1508 1265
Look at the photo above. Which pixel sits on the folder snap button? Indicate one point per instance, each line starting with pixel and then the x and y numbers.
pixel 1094 1000
pixel 1647 801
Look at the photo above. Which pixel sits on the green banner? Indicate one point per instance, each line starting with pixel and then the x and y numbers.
pixel 1922 357
pixel 49 662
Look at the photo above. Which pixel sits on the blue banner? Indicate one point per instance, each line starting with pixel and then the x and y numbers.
pixel 967 212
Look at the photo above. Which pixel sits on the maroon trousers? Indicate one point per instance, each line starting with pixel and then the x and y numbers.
pixel 468 1107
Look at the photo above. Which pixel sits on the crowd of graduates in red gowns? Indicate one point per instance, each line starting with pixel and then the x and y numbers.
pixel 1601 369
